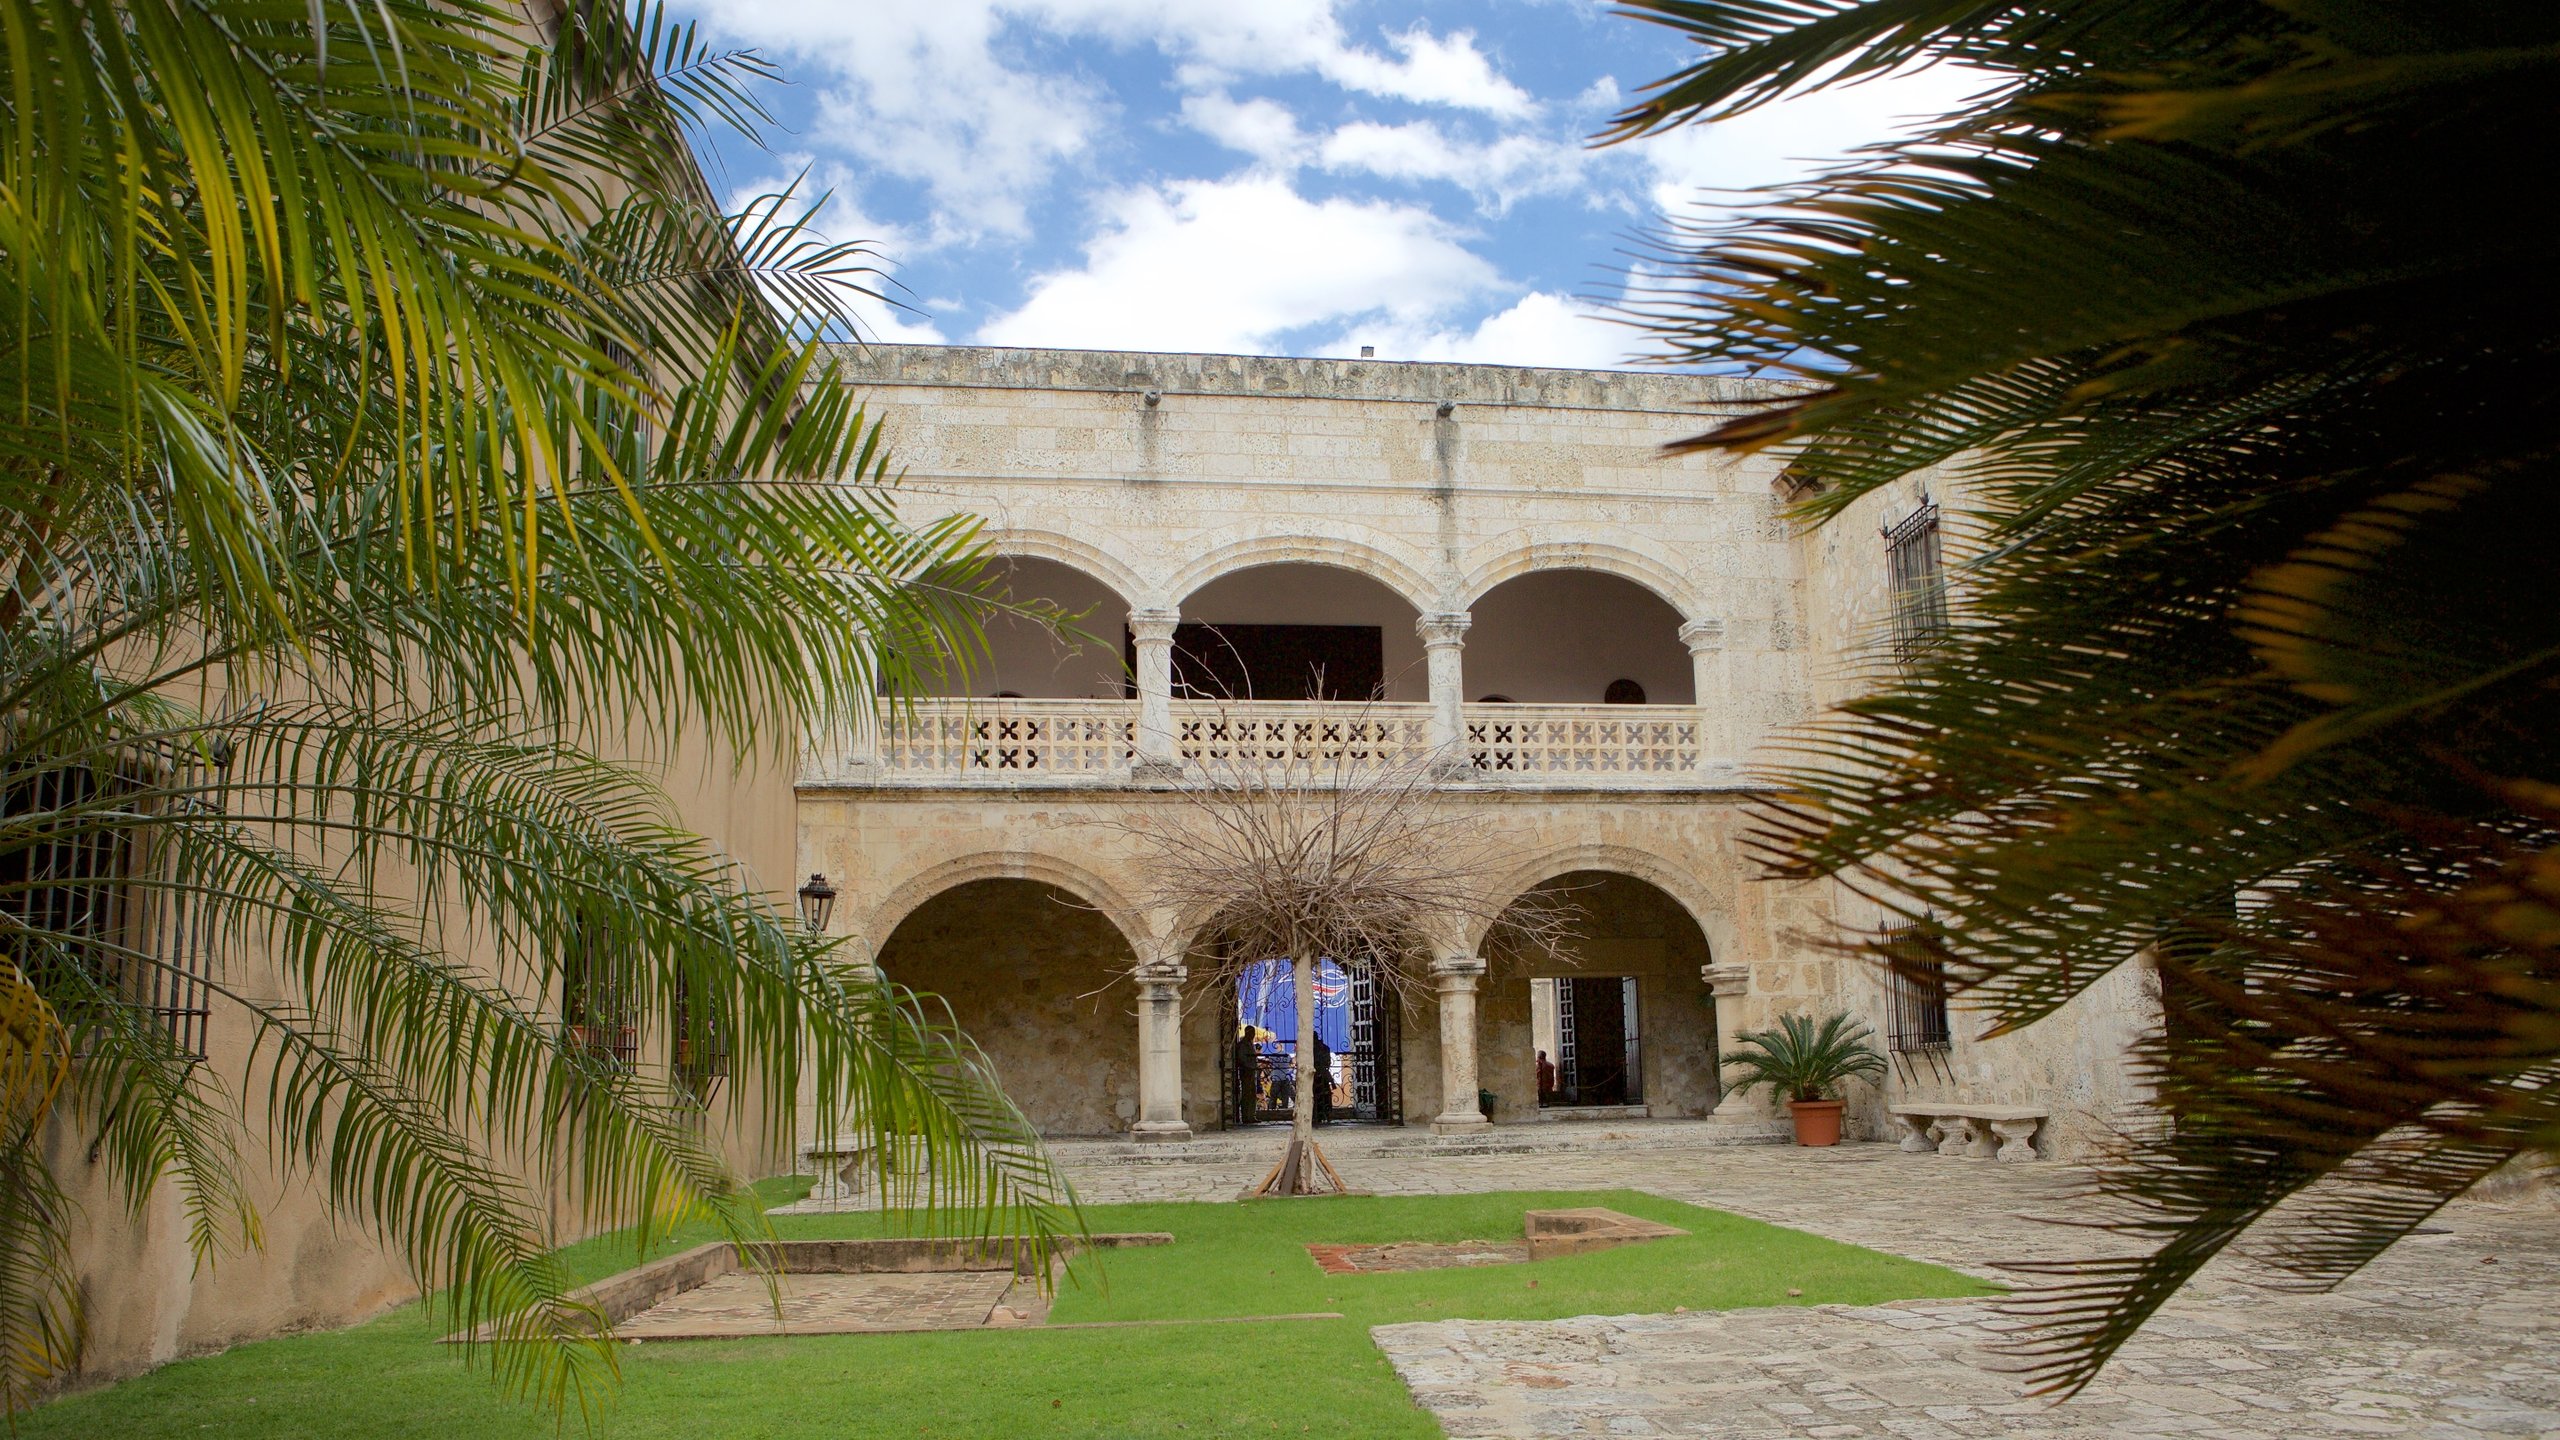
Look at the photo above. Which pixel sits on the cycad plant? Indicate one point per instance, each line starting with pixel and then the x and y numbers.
pixel 390 430
pixel 2228 324
pixel 1804 1058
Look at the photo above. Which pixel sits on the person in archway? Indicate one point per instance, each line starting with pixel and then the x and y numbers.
pixel 1546 1079
pixel 1320 1075
pixel 1245 1074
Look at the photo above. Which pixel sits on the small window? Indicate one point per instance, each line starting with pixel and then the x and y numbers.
pixel 1622 692
pixel 1918 570
pixel 89 918
pixel 1918 982
pixel 598 1010
pixel 701 1048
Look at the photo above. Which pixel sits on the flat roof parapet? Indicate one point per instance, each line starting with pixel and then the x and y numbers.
pixel 1274 376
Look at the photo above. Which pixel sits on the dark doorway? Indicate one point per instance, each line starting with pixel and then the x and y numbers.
pixel 1585 1028
pixel 1259 1077
pixel 1276 662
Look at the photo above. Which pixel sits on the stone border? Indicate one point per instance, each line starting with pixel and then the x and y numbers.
pixel 617 1298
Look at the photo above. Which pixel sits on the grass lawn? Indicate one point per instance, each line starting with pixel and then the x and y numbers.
pixel 389 1379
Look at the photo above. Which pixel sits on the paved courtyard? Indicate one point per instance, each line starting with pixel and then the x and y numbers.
pixel 2455 1333
pixel 738 1304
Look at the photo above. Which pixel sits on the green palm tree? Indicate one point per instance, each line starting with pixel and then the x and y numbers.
pixel 390 425
pixel 2229 324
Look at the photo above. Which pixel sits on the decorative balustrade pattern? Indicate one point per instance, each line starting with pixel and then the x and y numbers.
pixel 1590 741
pixel 1096 741
pixel 1314 737
pixel 1000 738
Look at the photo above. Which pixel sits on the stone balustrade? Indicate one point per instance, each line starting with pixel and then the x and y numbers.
pixel 1099 742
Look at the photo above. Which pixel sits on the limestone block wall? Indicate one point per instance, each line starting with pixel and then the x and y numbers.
pixel 2072 1060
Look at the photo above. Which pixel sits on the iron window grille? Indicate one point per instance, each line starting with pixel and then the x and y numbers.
pixel 599 1013
pixel 701 1048
pixel 1917 565
pixel 102 912
pixel 1917 979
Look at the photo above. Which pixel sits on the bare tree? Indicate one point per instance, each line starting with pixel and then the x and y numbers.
pixel 1327 837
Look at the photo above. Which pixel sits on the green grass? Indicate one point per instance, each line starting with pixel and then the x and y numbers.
pixel 388 1380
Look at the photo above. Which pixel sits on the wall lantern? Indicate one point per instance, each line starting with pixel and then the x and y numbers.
pixel 817 902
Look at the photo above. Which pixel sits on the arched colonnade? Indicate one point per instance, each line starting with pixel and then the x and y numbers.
pixel 1043 958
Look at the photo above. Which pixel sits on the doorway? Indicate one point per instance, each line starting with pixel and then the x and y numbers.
pixel 1587 1038
pixel 1353 1077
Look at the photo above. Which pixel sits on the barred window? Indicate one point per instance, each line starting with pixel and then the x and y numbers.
pixel 1918 982
pixel 598 1010
pixel 702 1046
pixel 1918 570
pixel 101 916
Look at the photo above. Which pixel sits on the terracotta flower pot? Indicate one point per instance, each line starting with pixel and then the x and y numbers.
pixel 1817 1121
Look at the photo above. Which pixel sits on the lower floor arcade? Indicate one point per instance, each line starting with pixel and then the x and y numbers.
pixel 1100 1019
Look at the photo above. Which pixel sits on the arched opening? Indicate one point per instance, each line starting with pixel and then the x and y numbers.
pixel 1029 971
pixel 1025 659
pixel 1249 1069
pixel 1618 1023
pixel 1298 632
pixel 1577 637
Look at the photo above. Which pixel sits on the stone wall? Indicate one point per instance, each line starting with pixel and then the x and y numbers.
pixel 1040 981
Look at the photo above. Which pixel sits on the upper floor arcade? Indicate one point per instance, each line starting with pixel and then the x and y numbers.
pixel 1497 570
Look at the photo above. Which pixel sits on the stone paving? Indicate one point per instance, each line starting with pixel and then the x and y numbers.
pixel 742 1304
pixel 2454 1333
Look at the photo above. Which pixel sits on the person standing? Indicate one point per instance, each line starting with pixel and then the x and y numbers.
pixel 1245 1075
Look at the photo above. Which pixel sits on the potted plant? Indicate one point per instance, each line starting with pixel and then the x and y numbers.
pixel 1805 1061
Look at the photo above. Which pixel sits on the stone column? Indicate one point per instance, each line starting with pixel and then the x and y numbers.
pixel 1153 632
pixel 1444 642
pixel 1160 1052
pixel 1712 677
pixel 1455 977
pixel 1725 987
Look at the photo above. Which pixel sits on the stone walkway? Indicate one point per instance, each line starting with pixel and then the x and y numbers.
pixel 2454 1333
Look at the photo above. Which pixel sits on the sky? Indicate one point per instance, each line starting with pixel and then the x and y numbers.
pixel 1294 177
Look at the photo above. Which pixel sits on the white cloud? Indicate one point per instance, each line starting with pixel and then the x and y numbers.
pixel 939 92
pixel 1433 70
pixel 1797 136
pixel 1233 265
pixel 1497 174
pixel 1540 329
pixel 1263 129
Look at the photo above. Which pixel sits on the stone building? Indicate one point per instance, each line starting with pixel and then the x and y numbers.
pixel 1496 567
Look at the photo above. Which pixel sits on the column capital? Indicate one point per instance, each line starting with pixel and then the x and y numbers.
pixel 1154 623
pixel 1702 635
pixel 1445 627
pixel 1448 968
pixel 1725 980
pixel 1161 972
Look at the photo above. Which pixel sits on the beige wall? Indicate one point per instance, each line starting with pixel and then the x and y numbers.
pixel 148 1304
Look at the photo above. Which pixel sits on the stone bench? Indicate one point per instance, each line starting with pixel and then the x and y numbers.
pixel 1985 1132
pixel 843 1165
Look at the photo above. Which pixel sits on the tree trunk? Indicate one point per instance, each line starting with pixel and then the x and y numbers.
pixel 1302 1170
pixel 1302 1116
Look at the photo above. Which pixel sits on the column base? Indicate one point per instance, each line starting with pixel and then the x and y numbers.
pixel 1468 1123
pixel 1159 1132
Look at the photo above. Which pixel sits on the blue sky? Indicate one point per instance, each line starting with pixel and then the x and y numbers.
pixel 1258 176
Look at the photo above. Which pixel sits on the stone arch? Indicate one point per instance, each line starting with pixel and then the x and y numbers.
pixel 1222 557
pixel 1613 859
pixel 1093 560
pixel 1656 575
pixel 910 894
